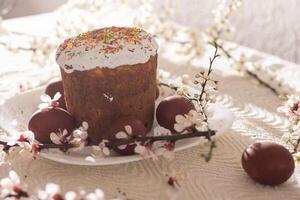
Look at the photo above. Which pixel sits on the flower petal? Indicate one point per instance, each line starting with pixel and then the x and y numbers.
pixel 52 188
pixel 45 98
pixel 30 136
pixel 178 127
pixel 54 138
pixel 70 195
pixel 85 125
pixel 14 177
pixel 65 132
pixel 6 183
pixel 140 149
pixel 121 135
pixel 57 96
pixel 128 129
pixel 100 194
pixel 180 118
pixel 106 151
pixel 43 105
pixel 161 131
pixel 43 195
pixel 84 135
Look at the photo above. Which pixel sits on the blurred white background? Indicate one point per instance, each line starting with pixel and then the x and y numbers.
pixel 272 26
pixel 30 7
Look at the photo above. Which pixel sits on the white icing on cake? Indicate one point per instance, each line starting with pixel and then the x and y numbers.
pixel 107 47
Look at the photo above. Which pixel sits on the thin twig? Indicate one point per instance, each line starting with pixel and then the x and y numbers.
pixel 211 61
pixel 167 85
pixel 208 156
pixel 18 48
pixel 262 82
pixel 119 142
pixel 248 72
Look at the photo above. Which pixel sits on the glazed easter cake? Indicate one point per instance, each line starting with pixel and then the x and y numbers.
pixel 108 74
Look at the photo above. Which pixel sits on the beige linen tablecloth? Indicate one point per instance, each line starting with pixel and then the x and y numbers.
pixel 222 178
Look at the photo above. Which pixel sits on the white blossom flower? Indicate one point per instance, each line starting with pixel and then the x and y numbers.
pixel 9 184
pixel 70 195
pixel 222 14
pixel 96 195
pixel 101 150
pixel 50 191
pixel 140 149
pixel 165 149
pixel 161 131
pixel 78 144
pixel 182 90
pixel 162 147
pixel 124 135
pixel 182 122
pixel 23 139
pixel 159 148
pixel 193 118
pixel 81 132
pixel 144 151
pixel 163 75
pixel 60 137
pixel 80 136
pixel 291 108
pixel 48 102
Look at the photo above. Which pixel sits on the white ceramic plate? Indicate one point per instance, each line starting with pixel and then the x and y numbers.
pixel 14 116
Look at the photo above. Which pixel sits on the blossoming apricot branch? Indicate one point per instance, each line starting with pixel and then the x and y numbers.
pixel 242 67
pixel 291 109
pixel 12 188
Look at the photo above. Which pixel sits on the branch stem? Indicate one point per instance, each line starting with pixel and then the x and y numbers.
pixel 248 72
pixel 118 142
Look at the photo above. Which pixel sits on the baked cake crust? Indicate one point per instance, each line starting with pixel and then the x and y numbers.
pixel 102 95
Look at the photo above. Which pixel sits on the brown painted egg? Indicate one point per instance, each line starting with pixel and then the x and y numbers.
pixel 48 120
pixel 55 87
pixel 268 163
pixel 171 106
pixel 125 128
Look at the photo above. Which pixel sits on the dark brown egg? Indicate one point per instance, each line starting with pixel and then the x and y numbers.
pixel 171 106
pixel 48 120
pixel 125 128
pixel 268 163
pixel 55 87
